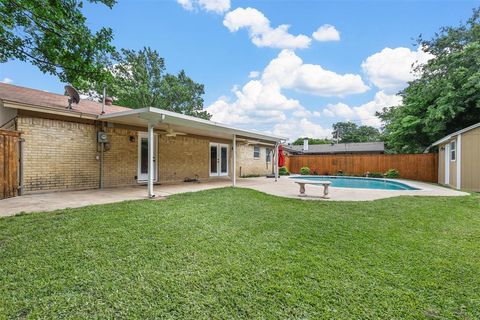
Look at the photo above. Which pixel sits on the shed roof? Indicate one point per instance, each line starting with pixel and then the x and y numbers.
pixel 456 133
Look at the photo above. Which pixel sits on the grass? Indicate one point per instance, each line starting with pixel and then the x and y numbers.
pixel 238 253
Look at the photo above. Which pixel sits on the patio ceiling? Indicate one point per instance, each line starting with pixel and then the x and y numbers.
pixel 187 124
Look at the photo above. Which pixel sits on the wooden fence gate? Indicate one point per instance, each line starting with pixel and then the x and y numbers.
pixel 9 163
pixel 421 167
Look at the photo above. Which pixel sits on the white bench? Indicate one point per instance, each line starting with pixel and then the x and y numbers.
pixel 325 185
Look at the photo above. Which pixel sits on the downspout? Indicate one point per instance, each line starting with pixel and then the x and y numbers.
pixel 102 147
pixel 21 165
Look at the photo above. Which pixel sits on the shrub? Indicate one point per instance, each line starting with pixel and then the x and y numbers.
pixel 375 175
pixel 283 171
pixel 392 174
pixel 305 171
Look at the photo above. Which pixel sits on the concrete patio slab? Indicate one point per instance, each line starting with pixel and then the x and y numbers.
pixel 285 187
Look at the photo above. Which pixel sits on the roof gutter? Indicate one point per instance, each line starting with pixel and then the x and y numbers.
pixel 49 110
pixel 199 122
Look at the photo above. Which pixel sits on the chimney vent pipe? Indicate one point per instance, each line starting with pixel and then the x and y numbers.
pixel 305 144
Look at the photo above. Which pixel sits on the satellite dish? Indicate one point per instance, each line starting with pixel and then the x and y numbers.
pixel 73 94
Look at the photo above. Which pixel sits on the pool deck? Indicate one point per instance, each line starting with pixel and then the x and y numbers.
pixel 285 187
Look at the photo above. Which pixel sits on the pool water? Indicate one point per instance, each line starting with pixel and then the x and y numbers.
pixel 357 182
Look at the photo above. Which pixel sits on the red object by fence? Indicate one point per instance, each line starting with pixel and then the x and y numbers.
pixel 281 156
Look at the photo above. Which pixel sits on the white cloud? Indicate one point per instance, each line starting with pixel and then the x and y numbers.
pixel 290 72
pixel 254 74
pixel 391 69
pixel 218 6
pixel 7 80
pixel 326 33
pixel 261 102
pixel 294 128
pixel 260 31
pixel 255 103
pixel 364 113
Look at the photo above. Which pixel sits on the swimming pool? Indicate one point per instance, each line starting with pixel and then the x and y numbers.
pixel 358 182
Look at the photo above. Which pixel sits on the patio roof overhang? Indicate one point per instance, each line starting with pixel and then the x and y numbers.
pixel 187 124
pixel 158 119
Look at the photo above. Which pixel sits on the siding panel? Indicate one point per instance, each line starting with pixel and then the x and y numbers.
pixel 471 160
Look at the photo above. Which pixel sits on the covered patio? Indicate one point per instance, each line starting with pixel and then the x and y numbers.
pixel 224 140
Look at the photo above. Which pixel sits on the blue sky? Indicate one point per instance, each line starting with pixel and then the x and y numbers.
pixel 302 85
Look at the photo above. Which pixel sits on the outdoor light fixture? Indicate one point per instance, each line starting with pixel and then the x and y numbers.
pixel 132 138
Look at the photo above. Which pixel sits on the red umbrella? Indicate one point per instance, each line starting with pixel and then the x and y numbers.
pixel 281 156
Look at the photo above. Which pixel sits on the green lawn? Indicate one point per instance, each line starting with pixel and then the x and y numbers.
pixel 238 253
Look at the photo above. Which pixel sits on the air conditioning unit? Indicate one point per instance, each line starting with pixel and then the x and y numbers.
pixel 102 137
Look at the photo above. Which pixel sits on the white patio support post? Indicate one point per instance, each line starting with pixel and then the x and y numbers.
pixel 276 162
pixel 234 168
pixel 151 163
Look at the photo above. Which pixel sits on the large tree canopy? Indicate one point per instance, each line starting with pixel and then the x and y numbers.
pixel 446 97
pixel 348 132
pixel 138 79
pixel 53 36
pixel 299 141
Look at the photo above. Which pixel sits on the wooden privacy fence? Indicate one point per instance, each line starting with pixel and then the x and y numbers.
pixel 421 167
pixel 9 161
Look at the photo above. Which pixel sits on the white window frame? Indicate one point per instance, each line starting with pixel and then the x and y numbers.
pixel 259 152
pixel 453 151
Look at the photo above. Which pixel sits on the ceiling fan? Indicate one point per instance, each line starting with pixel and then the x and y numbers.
pixel 169 132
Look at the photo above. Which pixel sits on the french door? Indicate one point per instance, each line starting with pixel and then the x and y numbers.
pixel 218 159
pixel 142 174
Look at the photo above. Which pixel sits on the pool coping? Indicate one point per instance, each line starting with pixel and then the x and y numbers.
pixel 409 183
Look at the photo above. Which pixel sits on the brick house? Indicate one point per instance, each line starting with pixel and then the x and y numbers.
pixel 62 148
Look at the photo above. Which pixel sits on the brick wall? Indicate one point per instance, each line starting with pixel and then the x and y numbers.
pixel 120 162
pixel 58 154
pixel 62 155
pixel 248 165
pixel 183 156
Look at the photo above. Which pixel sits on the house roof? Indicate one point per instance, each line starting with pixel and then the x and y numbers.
pixel 41 99
pixel 456 133
pixel 339 148
pixel 12 96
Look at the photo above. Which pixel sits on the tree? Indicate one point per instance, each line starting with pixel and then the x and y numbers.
pixel 446 96
pixel 299 141
pixel 53 36
pixel 138 79
pixel 181 94
pixel 343 131
pixel 347 132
